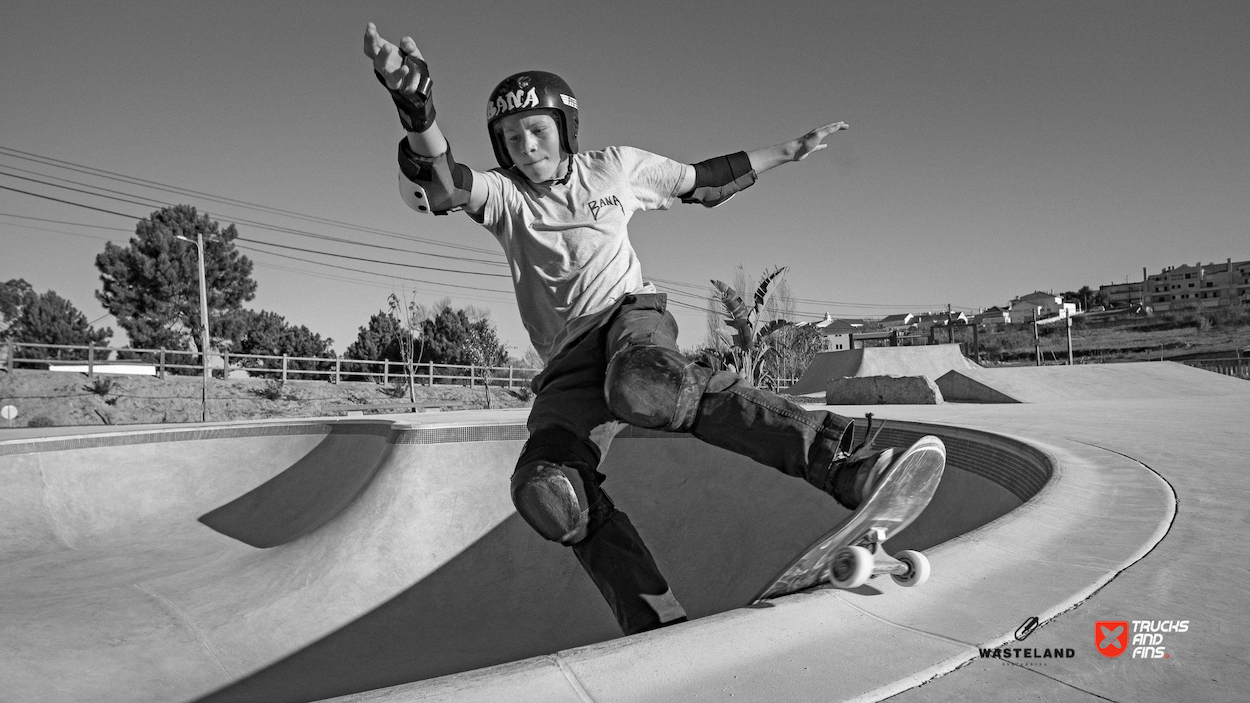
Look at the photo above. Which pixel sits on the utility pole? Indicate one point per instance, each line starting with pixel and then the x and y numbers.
pixel 199 247
pixel 1037 340
pixel 1069 341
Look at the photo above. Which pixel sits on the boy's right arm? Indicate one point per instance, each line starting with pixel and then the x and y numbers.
pixel 409 83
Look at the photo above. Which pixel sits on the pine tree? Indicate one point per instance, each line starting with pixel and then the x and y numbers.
pixel 50 319
pixel 152 285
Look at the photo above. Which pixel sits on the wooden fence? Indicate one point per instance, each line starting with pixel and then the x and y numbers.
pixel 335 369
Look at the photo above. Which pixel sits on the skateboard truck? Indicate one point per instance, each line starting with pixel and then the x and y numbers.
pixel 854 564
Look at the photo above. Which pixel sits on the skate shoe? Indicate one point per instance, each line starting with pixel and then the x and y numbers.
pixel 856 472
pixel 855 475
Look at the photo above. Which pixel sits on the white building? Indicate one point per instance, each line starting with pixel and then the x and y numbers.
pixel 1044 305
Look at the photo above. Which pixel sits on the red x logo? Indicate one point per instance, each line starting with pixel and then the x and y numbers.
pixel 1111 637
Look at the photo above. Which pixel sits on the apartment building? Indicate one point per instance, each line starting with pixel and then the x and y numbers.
pixel 1123 295
pixel 1198 285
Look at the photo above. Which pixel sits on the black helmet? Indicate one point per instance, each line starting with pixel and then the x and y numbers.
pixel 532 90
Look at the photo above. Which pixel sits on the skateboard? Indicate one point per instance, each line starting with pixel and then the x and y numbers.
pixel 851 553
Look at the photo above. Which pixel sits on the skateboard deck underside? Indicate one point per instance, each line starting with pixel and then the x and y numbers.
pixel 894 505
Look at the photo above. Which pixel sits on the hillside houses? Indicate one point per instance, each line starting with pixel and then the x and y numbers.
pixel 837 331
pixel 1039 304
pixel 992 317
pixel 1175 287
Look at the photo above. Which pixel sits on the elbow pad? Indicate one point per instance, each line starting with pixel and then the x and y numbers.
pixel 434 184
pixel 717 180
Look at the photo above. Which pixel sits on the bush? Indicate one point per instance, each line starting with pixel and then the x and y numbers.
pixel 274 389
pixel 100 386
pixel 1234 315
pixel 41 421
pixel 399 387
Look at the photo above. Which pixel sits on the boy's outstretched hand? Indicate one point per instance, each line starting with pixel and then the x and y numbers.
pixel 794 150
pixel 813 141
pixel 388 59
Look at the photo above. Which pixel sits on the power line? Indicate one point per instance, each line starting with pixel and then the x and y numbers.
pixel 321 263
pixel 134 180
pixel 261 225
pixel 374 273
pixel 372 261
pixel 264 264
pixel 372 284
pixel 829 303
pixel 150 201
pixel 63 222
pixel 68 202
pixel 56 231
pixel 283 246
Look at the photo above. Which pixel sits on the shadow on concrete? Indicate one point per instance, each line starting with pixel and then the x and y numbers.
pixel 444 624
pixel 309 494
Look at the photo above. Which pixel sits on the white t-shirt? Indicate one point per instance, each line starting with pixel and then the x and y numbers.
pixel 568 244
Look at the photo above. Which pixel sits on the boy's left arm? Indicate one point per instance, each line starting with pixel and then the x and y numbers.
pixel 714 181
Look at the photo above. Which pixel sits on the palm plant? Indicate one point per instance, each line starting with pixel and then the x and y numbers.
pixel 751 344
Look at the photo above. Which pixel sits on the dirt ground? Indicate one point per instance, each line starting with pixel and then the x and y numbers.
pixel 56 399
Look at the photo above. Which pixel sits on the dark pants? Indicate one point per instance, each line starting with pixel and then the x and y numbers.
pixel 572 425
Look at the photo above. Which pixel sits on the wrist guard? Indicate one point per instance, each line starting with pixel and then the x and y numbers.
pixel 434 184
pixel 416 109
pixel 717 180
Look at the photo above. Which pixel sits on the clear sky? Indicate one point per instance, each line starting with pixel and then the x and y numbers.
pixel 995 148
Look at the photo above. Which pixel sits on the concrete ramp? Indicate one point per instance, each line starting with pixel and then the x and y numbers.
pixel 1145 380
pixel 931 361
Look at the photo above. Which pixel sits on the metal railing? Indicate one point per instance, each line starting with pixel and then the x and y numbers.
pixel 334 369
pixel 1238 367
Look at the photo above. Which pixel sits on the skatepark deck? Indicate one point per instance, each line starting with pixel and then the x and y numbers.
pixel 1050 384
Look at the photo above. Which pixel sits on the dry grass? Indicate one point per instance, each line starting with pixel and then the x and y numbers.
pixel 53 399
pixel 1162 337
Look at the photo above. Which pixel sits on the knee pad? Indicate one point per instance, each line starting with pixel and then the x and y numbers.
pixel 552 499
pixel 655 387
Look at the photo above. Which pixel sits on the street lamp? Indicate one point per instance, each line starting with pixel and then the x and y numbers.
pixel 199 247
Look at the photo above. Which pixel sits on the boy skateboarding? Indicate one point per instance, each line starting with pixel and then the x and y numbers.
pixel 610 346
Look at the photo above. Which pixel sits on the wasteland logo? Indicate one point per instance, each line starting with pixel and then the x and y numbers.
pixel 1111 637
pixel 1022 633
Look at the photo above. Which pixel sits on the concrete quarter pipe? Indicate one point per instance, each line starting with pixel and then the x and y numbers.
pixel 931 361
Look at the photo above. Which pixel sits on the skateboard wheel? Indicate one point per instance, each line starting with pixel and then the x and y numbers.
pixel 917 568
pixel 851 567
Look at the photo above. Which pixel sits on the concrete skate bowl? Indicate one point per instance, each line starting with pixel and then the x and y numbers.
pixel 301 561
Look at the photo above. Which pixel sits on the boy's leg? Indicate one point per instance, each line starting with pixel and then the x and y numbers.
pixel 651 385
pixel 556 489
